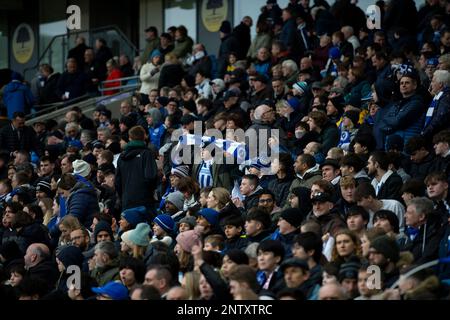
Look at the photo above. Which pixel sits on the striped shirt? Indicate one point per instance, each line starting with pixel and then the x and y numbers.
pixel 205 178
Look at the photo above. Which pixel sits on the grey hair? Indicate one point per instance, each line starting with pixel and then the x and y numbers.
pixel 422 205
pixel 105 130
pixel 442 76
pixel 290 64
pixel 108 248
pixel 72 125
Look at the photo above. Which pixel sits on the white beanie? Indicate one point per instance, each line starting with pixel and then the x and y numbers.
pixel 81 167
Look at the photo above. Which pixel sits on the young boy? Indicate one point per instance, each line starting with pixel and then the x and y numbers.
pixel 163 229
pixel 232 227
pixel 214 242
pixel 257 224
pixel 270 255
pixel 208 219
pixel 187 223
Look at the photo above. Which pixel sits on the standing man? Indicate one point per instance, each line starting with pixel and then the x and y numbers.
pixel 17 136
pixel 136 172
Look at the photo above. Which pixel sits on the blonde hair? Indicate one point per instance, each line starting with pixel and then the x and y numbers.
pixel 171 58
pixel 191 280
pixel 222 195
pixel 48 214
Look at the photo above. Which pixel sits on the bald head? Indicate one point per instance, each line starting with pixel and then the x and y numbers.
pixel 260 111
pixel 36 253
pixel 177 293
pixel 332 291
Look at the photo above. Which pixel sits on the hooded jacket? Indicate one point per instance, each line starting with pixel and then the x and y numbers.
pixel 136 176
pixel 17 97
pixel 425 246
pixel 82 203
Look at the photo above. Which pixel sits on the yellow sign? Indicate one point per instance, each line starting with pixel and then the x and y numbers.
pixel 23 43
pixel 213 13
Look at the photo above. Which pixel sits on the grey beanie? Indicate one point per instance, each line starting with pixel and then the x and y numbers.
pixel 177 199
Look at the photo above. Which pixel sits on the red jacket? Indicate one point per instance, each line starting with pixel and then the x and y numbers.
pixel 115 74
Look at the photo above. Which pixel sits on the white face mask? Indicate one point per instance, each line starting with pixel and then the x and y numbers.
pixel 299 134
pixel 199 55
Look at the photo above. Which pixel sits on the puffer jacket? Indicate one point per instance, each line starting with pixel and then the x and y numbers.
pixel 82 203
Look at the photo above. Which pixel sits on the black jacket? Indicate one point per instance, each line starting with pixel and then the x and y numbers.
pixel 229 44
pixel 170 76
pixel 74 83
pixel 425 246
pixel 48 92
pixel 391 188
pixel 331 222
pixel 136 176
pixel 421 170
pixel 240 242
pixel 280 187
pixel 10 142
pixel 218 285
pixel 46 270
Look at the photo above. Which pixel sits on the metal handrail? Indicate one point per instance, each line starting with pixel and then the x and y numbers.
pixel 121 86
pixel 91 31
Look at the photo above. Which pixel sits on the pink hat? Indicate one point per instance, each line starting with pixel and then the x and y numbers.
pixel 188 239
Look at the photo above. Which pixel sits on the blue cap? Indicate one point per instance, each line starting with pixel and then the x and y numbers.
pixel 165 222
pixel 155 53
pixel 134 216
pixel 294 103
pixel 432 62
pixel 115 290
pixel 211 215
pixel 334 53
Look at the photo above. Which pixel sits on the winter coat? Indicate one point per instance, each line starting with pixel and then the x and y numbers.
pixel 330 222
pixel 48 91
pixel 149 76
pixel 280 187
pixel 115 74
pixel 74 83
pixel 82 203
pixel 440 118
pixel 307 180
pixel 240 242
pixel 171 75
pixel 242 32
pixel 136 176
pixel 261 40
pixel 425 246
pixel 229 44
pixel 218 285
pixel 107 273
pixel 421 170
pixel 46 270
pixel 17 97
pixel 405 118
pixel 329 137
pixel 149 47
pixel 183 47
pixel 10 142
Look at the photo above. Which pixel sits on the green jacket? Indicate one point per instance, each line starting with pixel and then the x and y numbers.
pixel 107 273
pixel 183 47
pixel 149 47
pixel 262 40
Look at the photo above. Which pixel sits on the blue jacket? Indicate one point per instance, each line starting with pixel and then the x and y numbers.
pixel 17 97
pixel 156 133
pixel 405 118
pixel 82 203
